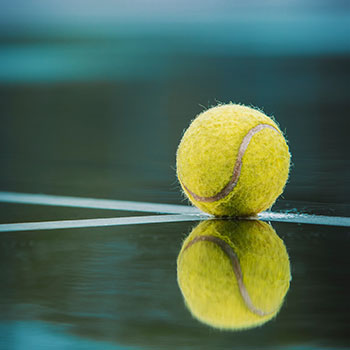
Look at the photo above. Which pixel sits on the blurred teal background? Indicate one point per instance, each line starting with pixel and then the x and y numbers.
pixel 94 97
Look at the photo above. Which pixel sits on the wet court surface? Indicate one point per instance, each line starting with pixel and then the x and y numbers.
pixel 117 287
pixel 102 119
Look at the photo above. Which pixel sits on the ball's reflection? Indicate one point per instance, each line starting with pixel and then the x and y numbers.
pixel 233 274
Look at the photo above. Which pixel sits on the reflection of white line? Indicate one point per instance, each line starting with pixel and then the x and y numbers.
pixel 44 199
pixel 134 220
pixel 54 225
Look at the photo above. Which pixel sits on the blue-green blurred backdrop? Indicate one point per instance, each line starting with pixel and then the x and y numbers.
pixel 94 95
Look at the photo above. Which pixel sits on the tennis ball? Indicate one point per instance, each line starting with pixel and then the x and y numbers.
pixel 233 161
pixel 233 274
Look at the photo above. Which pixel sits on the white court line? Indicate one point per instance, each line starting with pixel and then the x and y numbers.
pixel 186 213
pixel 305 219
pixel 66 201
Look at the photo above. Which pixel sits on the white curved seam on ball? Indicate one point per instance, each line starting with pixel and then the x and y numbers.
pixel 228 250
pixel 236 170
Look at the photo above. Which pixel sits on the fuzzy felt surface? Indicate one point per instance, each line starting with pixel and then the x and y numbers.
pixel 233 143
pixel 209 284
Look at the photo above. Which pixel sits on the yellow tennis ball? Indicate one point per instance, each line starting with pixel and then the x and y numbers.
pixel 233 161
pixel 233 274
